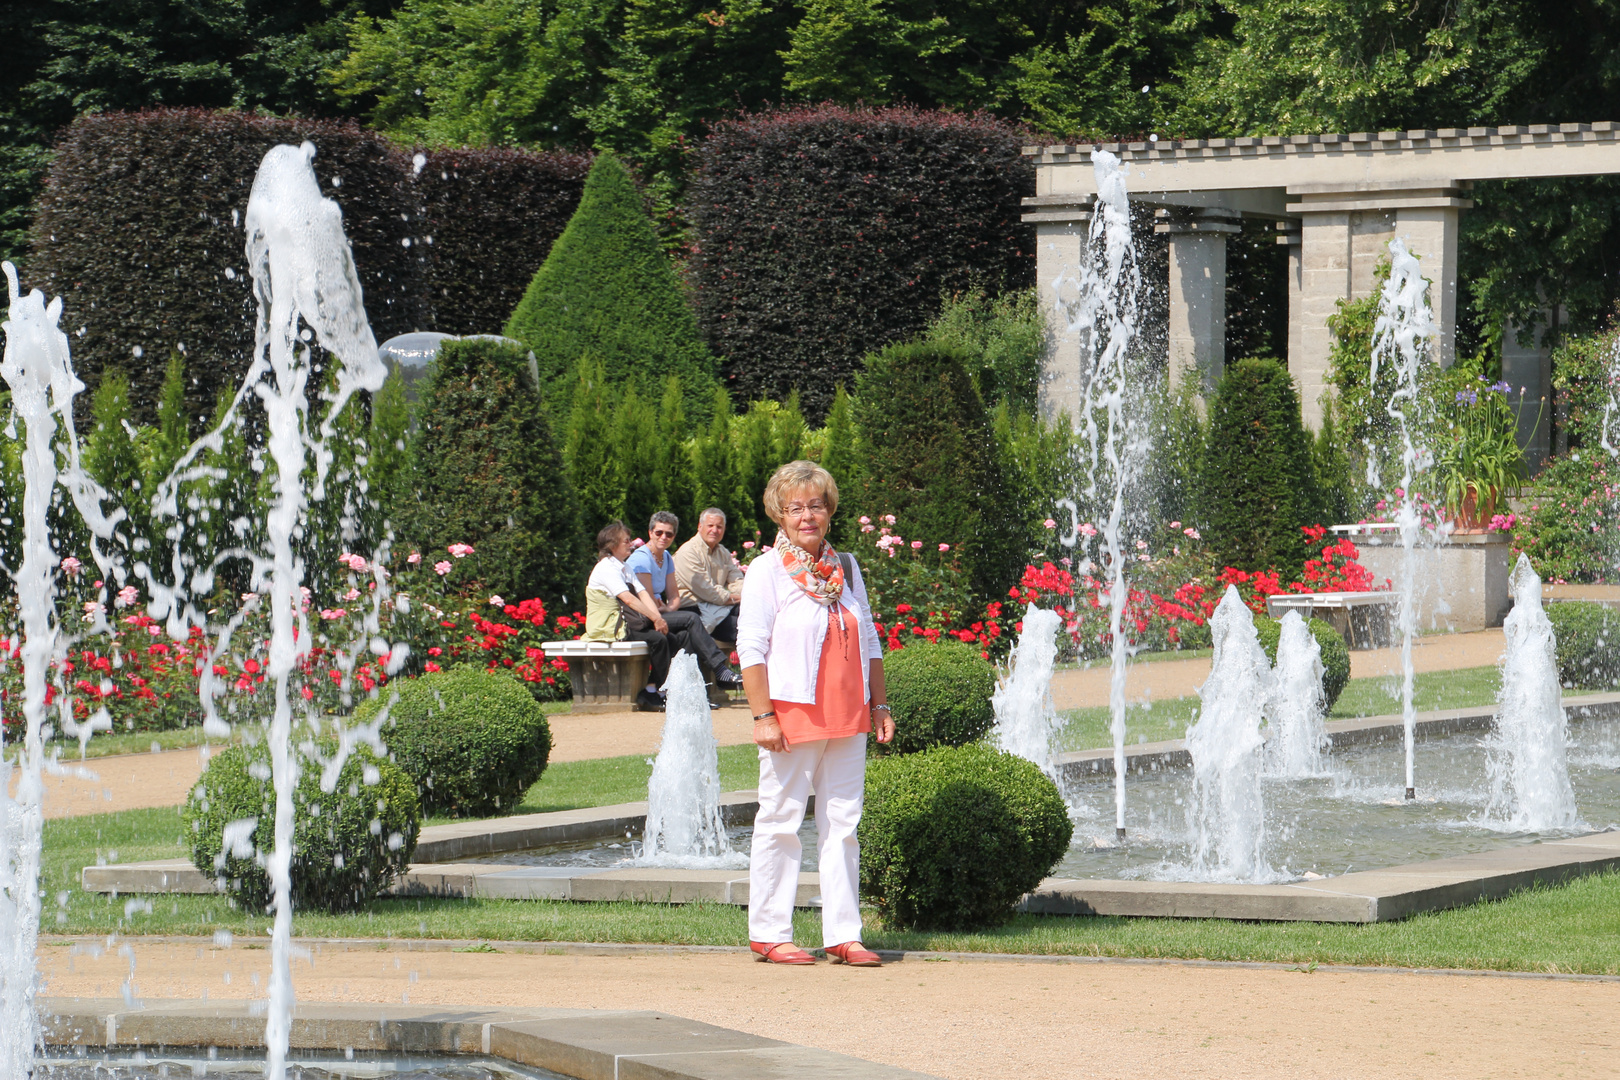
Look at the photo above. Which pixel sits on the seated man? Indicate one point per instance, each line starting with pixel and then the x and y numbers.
pixel 709 577
pixel 654 567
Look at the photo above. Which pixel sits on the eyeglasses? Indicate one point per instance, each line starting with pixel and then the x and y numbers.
pixel 661 532
pixel 799 510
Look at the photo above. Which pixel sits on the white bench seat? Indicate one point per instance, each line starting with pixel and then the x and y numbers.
pixel 1363 619
pixel 605 675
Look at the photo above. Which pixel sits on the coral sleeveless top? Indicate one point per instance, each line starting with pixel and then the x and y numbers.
pixel 840 706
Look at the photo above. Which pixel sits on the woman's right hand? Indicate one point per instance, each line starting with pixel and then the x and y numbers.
pixel 768 735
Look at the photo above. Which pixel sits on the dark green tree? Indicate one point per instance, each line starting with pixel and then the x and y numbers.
pixel 489 474
pixel 677 485
pixel 172 437
pixel 588 447
pixel 111 460
pixel 929 458
pixel 608 290
pixel 635 445
pixel 714 461
pixel 390 478
pixel 1259 484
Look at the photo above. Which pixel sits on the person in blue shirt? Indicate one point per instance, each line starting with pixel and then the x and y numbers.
pixel 654 567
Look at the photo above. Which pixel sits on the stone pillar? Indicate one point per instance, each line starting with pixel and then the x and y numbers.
pixel 1062 228
pixel 1197 330
pixel 1344 232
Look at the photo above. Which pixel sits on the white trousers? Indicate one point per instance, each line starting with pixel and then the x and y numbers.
pixel 835 769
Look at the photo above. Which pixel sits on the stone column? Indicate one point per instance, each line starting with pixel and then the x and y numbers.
pixel 1197 330
pixel 1062 228
pixel 1343 230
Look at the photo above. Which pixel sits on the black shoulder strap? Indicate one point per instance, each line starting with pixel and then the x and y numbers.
pixel 848 562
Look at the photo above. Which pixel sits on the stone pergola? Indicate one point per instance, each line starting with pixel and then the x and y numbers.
pixel 1336 200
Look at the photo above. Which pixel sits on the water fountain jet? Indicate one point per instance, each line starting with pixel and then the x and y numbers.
pixel 1025 718
pixel 684 827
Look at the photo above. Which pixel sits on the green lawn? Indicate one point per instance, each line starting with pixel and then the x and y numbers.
pixel 1573 928
pixel 1168 719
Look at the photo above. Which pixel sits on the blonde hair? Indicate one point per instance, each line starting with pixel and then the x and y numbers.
pixel 794 476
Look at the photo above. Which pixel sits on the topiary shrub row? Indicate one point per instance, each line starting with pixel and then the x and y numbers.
pixel 952 837
pixel 940 694
pixel 1258 483
pixel 349 844
pixel 1588 645
pixel 1335 656
pixel 928 456
pixel 825 233
pixel 608 292
pixel 489 473
pixel 473 740
pixel 139 229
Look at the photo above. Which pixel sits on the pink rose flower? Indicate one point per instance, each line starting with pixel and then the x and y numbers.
pixel 414 558
pixel 71 565
pixel 916 545
pixel 944 547
pixel 461 551
pixel 496 601
pixel 442 567
pixel 1049 523
pixel 748 545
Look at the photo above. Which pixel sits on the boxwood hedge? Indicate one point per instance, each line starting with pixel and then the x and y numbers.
pixel 473 740
pixel 940 694
pixel 952 837
pixel 1335 656
pixel 349 844
pixel 1588 645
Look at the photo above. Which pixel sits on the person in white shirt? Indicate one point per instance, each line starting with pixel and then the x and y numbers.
pixel 618 607
pixel 812 667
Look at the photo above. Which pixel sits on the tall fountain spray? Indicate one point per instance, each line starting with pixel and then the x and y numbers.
pixel 1225 743
pixel 1403 337
pixel 1527 763
pixel 683 795
pixel 1025 718
pixel 303 274
pixel 1294 737
pixel 1114 431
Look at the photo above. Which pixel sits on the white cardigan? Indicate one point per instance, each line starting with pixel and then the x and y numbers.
pixel 784 629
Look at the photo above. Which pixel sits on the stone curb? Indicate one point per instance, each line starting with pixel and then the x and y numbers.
pixel 586 1044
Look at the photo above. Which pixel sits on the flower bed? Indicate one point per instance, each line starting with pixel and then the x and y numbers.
pixel 133 677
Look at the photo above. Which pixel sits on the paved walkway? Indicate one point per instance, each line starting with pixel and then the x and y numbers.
pixel 966 1020
pixel 1161 679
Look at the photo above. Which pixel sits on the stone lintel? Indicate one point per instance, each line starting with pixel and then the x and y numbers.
pixel 1381 203
pixel 1182 222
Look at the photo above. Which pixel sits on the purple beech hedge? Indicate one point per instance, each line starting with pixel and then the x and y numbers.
pixel 822 234
pixel 139 230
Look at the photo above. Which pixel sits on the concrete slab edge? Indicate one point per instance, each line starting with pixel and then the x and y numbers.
pixel 582 1043
pixel 1363 731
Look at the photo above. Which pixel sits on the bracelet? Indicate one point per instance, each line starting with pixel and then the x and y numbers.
pixel 884 706
pixel 765 716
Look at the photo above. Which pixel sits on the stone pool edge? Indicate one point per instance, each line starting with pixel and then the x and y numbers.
pixel 586 1044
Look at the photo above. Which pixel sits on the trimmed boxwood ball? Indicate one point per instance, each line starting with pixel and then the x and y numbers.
pixel 952 837
pixel 1588 645
pixel 1335 657
pixel 473 740
pixel 349 844
pixel 940 694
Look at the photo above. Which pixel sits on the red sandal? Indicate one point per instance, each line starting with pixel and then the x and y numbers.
pixel 774 954
pixel 854 954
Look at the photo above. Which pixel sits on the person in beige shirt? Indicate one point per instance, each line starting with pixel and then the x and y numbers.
pixel 709 577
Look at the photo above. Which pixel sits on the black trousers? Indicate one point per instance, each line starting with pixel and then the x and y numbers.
pixel 657 653
pixel 686 632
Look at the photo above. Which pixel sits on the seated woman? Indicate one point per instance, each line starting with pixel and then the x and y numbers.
pixel 619 608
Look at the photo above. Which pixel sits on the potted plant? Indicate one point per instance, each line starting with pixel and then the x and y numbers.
pixel 1478 460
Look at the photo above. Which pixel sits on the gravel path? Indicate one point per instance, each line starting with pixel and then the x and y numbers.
pixel 969 1020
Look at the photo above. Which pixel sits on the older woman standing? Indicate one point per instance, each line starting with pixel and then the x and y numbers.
pixel 813 673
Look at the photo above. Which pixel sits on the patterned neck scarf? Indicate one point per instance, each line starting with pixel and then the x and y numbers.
pixel 822 580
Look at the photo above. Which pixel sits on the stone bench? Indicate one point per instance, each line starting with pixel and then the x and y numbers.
pixel 606 675
pixel 1363 619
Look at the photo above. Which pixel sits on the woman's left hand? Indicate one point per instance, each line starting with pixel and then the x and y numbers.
pixel 883 725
